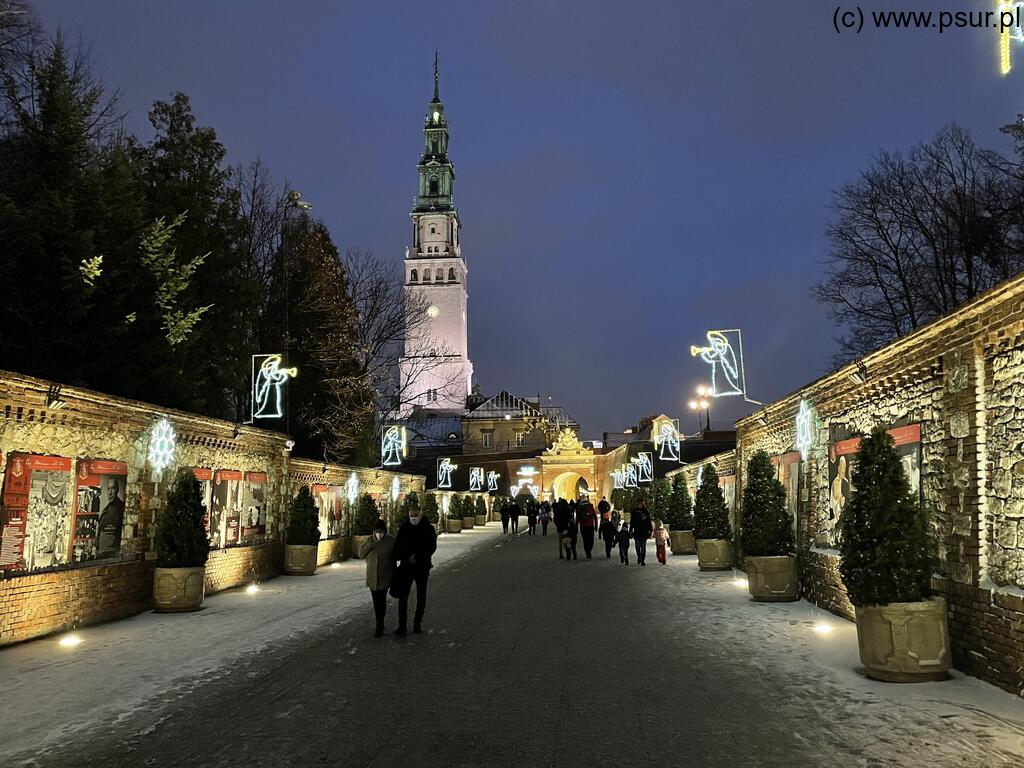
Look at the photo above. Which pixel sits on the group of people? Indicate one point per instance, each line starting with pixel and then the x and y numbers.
pixel 535 513
pixel 575 521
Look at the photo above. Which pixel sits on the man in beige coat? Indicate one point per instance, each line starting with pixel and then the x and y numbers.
pixel 378 551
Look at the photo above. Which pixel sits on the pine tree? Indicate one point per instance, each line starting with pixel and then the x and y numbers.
pixel 887 552
pixel 303 519
pixel 411 500
pixel 711 518
pixel 766 528
pixel 180 532
pixel 481 506
pixel 455 507
pixel 365 516
pixel 660 496
pixel 680 505
pixel 430 508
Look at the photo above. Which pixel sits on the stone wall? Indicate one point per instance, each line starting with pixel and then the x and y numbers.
pixel 958 384
pixel 50 593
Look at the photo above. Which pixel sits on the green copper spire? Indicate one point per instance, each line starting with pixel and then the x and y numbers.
pixel 437 175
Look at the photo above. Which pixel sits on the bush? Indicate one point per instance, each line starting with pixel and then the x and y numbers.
pixel 180 531
pixel 455 507
pixel 887 553
pixel 364 516
pixel 481 506
pixel 766 527
pixel 660 495
pixel 711 518
pixel 680 505
pixel 303 519
pixel 410 501
pixel 468 506
pixel 430 508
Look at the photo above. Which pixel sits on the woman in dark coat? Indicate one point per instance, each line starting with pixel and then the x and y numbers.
pixel 504 517
pixel 641 528
pixel 379 552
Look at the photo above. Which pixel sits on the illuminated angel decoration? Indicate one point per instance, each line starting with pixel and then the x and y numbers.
pixel 267 384
pixel 618 479
pixel 445 468
pixel 630 471
pixel 392 447
pixel 644 467
pixel 726 370
pixel 667 440
pixel 476 478
pixel 492 481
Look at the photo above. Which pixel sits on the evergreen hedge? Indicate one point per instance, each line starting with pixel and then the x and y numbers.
pixel 364 516
pixel 680 505
pixel 887 552
pixel 711 518
pixel 180 529
pixel 766 526
pixel 303 519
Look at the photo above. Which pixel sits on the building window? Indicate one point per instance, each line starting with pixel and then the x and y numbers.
pixel 488 439
pixel 433 230
pixel 433 186
pixel 440 274
pixel 426 275
pixel 451 274
pixel 431 395
pixel 413 276
pixel 520 439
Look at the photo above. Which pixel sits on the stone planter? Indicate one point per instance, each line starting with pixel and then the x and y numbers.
pixel 904 642
pixel 357 542
pixel 176 590
pixel 454 525
pixel 300 559
pixel 468 522
pixel 772 579
pixel 682 542
pixel 714 554
pixel 481 519
pixel 495 516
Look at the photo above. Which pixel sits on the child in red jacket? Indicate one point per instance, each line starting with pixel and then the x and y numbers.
pixel 661 541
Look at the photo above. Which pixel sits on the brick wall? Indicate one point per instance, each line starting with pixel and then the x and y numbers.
pixel 89 425
pixel 962 380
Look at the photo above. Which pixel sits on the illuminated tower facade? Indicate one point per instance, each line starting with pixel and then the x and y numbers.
pixel 435 369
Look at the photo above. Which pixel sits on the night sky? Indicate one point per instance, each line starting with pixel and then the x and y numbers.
pixel 628 174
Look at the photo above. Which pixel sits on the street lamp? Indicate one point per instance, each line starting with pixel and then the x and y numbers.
pixel 702 403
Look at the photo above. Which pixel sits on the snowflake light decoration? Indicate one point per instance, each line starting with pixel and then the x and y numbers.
pixel 162 444
pixel 804 430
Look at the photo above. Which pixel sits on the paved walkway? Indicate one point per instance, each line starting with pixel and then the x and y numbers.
pixel 528 661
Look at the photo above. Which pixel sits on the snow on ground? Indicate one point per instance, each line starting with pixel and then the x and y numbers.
pixel 52 692
pixel 816 653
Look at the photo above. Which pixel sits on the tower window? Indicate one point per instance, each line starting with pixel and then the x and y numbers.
pixel 451 274
pixel 440 274
pixel 433 186
pixel 433 230
pixel 433 147
pixel 487 438
pixel 413 276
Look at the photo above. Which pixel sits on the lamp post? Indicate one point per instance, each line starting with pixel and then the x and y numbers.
pixel 702 403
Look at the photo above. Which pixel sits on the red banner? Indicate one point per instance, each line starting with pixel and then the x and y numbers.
pixel 36 514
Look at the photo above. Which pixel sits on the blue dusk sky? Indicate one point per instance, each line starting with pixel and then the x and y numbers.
pixel 628 174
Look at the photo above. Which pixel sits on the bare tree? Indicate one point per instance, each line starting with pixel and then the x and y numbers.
pixel 392 321
pixel 914 238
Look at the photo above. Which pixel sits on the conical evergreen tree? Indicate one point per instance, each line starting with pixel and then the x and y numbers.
pixel 680 505
pixel 303 519
pixel 711 518
pixel 660 496
pixel 430 510
pixel 180 531
pixel 887 553
pixel 766 528
pixel 365 515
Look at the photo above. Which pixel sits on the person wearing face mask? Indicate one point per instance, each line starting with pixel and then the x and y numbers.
pixel 415 543
pixel 379 552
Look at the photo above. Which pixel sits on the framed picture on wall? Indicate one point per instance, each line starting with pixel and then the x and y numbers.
pixel 99 509
pixel 36 519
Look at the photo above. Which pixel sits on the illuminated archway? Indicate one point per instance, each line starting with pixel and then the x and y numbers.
pixel 569 485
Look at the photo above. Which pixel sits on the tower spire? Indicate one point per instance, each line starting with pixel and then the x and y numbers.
pixel 436 98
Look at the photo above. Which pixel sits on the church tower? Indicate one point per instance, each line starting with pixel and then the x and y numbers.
pixel 435 369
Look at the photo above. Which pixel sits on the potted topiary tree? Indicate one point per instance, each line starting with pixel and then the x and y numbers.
pixel 411 500
pixel 303 535
pixel 182 548
pixel 887 563
pixel 660 494
pixel 711 524
pixel 680 513
pixel 480 507
pixel 766 534
pixel 430 509
pixel 364 516
pixel 468 510
pixel 454 522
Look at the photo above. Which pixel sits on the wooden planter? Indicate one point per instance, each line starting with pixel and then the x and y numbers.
pixel 772 579
pixel 481 519
pixel 300 559
pixel 357 542
pixel 454 525
pixel 682 542
pixel 905 642
pixel 177 590
pixel 714 554
pixel 468 522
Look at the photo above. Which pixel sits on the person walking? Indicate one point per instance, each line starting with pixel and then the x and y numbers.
pixel 571 536
pixel 623 539
pixel 415 544
pixel 513 518
pixel 531 518
pixel 586 519
pixel 616 519
pixel 641 528
pixel 603 508
pixel 562 520
pixel 504 517
pixel 544 517
pixel 609 535
pixel 379 552
pixel 661 541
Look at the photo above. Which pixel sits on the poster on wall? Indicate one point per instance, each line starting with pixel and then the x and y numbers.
pixel 841 455
pixel 728 485
pixel 254 505
pixel 36 516
pixel 787 472
pixel 212 526
pixel 226 504
pixel 99 509
pixel 328 503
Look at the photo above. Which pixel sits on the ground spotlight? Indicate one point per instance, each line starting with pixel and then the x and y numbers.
pixel 70 641
pixel 252 589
